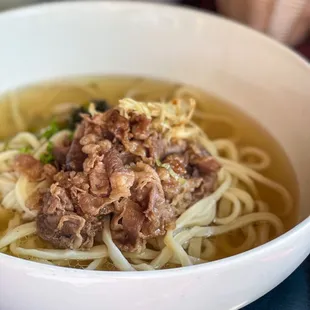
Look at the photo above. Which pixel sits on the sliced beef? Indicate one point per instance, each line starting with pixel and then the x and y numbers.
pixel 171 186
pixel 127 225
pixel 99 180
pixel 61 230
pixel 176 147
pixel 177 162
pixel 140 126
pixel 49 171
pixel 149 194
pixel 121 178
pixel 75 157
pixel 205 164
pixel 59 223
pixel 60 155
pixel 34 201
pixel 89 204
pixel 117 125
pixel 122 167
pixel 155 146
pixel 57 199
pixel 145 215
pixel 67 230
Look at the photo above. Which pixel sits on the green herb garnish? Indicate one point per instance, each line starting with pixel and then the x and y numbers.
pixel 47 157
pixel 25 150
pixel 71 135
pixel 50 130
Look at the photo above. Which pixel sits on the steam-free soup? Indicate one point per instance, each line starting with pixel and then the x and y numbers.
pixel 126 173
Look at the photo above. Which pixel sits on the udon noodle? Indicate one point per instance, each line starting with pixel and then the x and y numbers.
pixel 202 232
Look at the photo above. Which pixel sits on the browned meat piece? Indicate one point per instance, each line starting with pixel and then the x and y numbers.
pixel 140 126
pixel 195 153
pixel 75 157
pixel 34 201
pixel 29 166
pixel 160 215
pixel 59 224
pixel 171 187
pixel 206 164
pixel 121 179
pixel 155 146
pixel 203 166
pixel 49 171
pixel 60 155
pixel 177 162
pixel 127 157
pixel 145 214
pixel 176 147
pixel 117 125
pixel 89 204
pixel 99 180
pixel 78 181
pixel 65 231
pixel 149 193
pixel 127 225
pixel 92 227
pixel 136 148
pixel 56 200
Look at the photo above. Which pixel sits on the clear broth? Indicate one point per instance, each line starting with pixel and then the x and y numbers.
pixel 37 102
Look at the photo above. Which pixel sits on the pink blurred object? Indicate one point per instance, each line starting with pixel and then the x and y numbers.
pixel 286 21
pixel 302 44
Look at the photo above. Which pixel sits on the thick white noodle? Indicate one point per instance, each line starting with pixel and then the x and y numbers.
pixel 248 243
pixel 24 139
pixel 22 192
pixel 6 155
pixel 95 264
pixel 115 254
pixel 6 185
pixel 243 221
pixel 17 233
pixel 263 228
pixel 263 162
pixel 98 251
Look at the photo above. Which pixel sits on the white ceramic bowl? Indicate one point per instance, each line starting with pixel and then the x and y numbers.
pixel 253 72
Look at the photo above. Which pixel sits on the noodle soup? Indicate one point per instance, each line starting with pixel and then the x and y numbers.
pixel 255 194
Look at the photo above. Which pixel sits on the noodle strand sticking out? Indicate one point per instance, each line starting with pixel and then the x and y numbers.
pixel 115 254
pixel 136 187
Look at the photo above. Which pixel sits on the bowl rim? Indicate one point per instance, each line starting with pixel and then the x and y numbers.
pixel 46 8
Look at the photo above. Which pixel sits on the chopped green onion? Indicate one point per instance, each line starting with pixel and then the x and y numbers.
pixel 47 157
pixel 71 134
pixel 50 130
pixel 25 150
